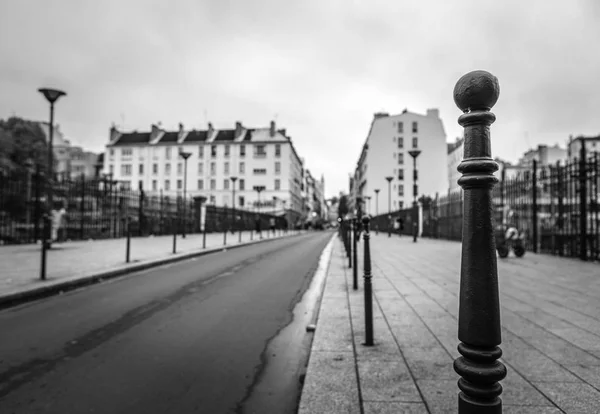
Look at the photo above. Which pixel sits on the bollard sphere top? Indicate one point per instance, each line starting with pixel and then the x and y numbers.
pixel 476 90
pixel 366 220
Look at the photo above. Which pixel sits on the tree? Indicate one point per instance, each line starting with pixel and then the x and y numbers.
pixel 343 206
pixel 21 140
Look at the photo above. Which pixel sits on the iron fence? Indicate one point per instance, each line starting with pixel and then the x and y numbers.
pixel 556 206
pixel 100 208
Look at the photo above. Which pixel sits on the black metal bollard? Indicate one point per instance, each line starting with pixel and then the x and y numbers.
pixel 355 253
pixel 239 236
pixel 348 244
pixel 225 237
pixel 128 244
pixel 204 237
pixel 46 234
pixel 174 237
pixel 368 285
pixel 479 329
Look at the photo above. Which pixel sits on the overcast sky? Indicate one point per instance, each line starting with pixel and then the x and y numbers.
pixel 322 67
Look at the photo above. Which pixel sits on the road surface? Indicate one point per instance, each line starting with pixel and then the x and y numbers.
pixel 190 337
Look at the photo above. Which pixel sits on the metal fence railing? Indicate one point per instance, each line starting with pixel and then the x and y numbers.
pixel 557 206
pixel 99 208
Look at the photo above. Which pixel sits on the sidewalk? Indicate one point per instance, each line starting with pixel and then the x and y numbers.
pixel 551 333
pixel 83 262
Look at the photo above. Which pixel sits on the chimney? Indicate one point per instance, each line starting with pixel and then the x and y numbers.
pixel 114 134
pixel 154 132
pixel 238 130
pixel 378 115
pixel 282 132
pixel 433 113
pixel 210 130
pixel 272 131
pixel 180 128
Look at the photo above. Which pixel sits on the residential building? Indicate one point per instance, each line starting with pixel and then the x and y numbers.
pixel 592 144
pixel 456 152
pixel 544 155
pixel 260 158
pixel 386 153
pixel 69 161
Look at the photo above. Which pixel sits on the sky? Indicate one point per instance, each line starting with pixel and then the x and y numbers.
pixel 320 68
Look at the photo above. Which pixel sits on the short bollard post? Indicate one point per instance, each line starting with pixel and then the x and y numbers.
pixel 368 286
pixel 128 244
pixel 479 329
pixel 204 237
pixel 355 253
pixel 225 237
pixel 174 237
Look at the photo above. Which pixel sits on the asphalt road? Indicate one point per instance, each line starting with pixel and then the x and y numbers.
pixel 189 337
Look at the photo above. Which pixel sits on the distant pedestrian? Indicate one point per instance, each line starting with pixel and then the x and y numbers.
pixel 272 224
pixel 58 223
pixel 257 224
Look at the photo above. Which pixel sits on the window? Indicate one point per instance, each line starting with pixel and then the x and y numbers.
pixel 400 142
pixel 401 159
pixel 242 150
pixel 126 170
pixel 167 185
pixel 126 152
pixel 213 168
pixel 155 168
pixel 111 152
pixel 168 153
pixel 213 184
pixel 179 184
pixel 226 184
pixel 179 168
pixel 278 150
pixel 212 199
pixel 241 201
pixel 242 184
pixel 415 142
pixel 401 174
pixel 401 190
pixel 154 185
pixel 200 184
pixel 167 169
pixel 141 169
pixel 201 151
pixel 415 128
pixel 259 151
pixel 111 169
pixel 213 151
pixel 200 168
pixel 242 168
pixel 277 184
pixel 227 150
pixel 260 171
pixel 277 168
pixel 140 185
pixel 226 169
pixel 400 127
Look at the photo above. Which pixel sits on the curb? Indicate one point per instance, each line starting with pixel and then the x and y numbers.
pixel 18 298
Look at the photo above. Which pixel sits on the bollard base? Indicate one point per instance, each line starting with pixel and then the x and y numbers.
pixel 468 405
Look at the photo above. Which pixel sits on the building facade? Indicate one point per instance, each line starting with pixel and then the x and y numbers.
pixel 592 144
pixel 267 169
pixel 386 154
pixel 69 161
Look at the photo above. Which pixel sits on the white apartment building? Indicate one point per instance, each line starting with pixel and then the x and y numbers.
pixel 592 144
pixel 259 158
pixel 386 153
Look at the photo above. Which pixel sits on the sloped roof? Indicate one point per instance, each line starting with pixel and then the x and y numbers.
pixel 225 135
pixel 130 138
pixel 196 136
pixel 169 138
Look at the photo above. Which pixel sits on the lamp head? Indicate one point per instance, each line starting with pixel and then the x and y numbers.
pixel 389 179
pixel 414 153
pixel 51 94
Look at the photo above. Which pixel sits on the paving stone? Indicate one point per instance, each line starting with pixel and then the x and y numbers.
pixel 430 363
pixel 387 381
pixel 572 397
pixel 379 407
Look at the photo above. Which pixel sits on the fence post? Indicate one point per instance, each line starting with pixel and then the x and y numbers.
pixel 368 285
pixel 534 207
pixel 141 208
pixel 479 329
pixel 582 202
pixel 128 244
pixel 174 222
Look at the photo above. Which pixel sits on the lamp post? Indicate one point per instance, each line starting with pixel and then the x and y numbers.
pixel 51 96
pixel 414 154
pixel 233 180
pixel 185 156
pixel 377 210
pixel 389 180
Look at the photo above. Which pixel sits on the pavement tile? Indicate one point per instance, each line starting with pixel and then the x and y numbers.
pixel 440 395
pixel 430 363
pixel 387 381
pixel 571 397
pixel 379 407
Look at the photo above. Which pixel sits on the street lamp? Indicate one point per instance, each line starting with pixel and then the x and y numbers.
pixel 51 96
pixel 185 156
pixel 233 180
pixel 389 180
pixel 414 154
